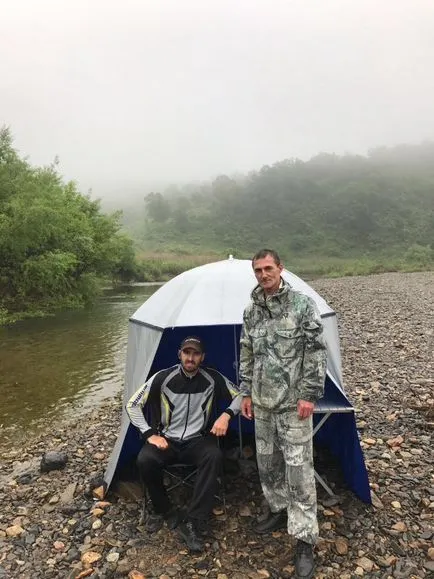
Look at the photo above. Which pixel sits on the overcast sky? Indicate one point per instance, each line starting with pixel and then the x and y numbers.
pixel 138 92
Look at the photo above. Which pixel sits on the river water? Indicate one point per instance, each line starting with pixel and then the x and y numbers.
pixel 59 366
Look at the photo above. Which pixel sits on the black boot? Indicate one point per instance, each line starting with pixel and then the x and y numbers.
pixel 202 527
pixel 273 522
pixel 304 564
pixel 172 518
pixel 153 522
pixel 187 531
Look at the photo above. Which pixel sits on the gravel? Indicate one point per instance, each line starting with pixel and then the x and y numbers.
pixel 51 526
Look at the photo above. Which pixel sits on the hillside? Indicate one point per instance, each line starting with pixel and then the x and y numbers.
pixel 378 206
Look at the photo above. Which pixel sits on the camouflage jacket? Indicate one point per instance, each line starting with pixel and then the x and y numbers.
pixel 283 353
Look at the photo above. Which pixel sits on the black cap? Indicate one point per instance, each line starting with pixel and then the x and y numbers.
pixel 194 343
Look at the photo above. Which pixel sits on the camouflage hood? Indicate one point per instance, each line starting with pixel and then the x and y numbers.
pixel 260 299
pixel 283 353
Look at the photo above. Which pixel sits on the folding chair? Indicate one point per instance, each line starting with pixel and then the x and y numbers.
pixel 181 475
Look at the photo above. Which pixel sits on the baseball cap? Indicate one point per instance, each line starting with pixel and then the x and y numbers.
pixel 194 343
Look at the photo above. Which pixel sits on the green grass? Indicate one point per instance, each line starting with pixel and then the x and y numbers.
pixel 166 266
pixel 161 267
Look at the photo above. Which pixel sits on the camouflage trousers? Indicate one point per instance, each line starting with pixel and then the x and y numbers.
pixel 285 463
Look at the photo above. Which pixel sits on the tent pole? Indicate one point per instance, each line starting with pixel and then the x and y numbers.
pixel 240 436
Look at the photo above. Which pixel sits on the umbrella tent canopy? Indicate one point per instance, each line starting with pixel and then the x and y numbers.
pixel 209 301
pixel 210 295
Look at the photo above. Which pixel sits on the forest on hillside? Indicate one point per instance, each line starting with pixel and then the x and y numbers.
pixel 332 206
pixel 57 248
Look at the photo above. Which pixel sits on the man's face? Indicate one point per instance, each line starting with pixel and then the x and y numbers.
pixel 267 273
pixel 191 359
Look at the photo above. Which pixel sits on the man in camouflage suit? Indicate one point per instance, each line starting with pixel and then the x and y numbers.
pixel 282 370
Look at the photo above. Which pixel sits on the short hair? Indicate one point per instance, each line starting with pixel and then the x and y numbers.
pixel 263 253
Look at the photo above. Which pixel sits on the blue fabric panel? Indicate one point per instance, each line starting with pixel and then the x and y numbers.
pixel 333 394
pixel 339 434
pixel 221 342
pixel 130 448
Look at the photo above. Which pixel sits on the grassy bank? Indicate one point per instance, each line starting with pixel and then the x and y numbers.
pixel 156 266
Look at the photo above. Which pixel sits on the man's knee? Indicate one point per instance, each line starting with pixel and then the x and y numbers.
pixel 212 454
pixel 147 461
pixel 302 484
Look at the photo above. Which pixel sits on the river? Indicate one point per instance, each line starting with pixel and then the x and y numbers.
pixel 59 366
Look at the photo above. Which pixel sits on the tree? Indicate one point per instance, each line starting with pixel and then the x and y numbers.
pixel 56 246
pixel 157 207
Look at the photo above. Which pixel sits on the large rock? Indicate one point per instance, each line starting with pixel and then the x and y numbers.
pixel 53 461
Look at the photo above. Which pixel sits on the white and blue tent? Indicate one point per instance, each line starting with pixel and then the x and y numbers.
pixel 209 301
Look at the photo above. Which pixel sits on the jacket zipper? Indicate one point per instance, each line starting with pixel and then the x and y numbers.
pixel 266 308
pixel 186 418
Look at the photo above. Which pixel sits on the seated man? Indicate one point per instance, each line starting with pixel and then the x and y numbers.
pixel 180 400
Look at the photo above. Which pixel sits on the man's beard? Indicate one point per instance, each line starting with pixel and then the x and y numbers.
pixel 192 369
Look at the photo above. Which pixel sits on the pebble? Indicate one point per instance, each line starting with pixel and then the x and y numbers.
pixel 29 538
pixel 90 557
pixel 99 492
pixel 365 563
pixel 85 573
pixel 341 546
pixel 400 526
pixel 97 512
pixel 59 546
pixel 72 555
pixel 14 531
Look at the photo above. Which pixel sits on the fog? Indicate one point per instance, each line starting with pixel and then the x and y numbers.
pixel 138 94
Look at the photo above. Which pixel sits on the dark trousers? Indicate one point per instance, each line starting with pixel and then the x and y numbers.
pixel 201 452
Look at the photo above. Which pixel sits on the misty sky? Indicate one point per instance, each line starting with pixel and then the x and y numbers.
pixel 144 92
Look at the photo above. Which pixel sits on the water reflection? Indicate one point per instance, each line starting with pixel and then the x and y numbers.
pixel 53 366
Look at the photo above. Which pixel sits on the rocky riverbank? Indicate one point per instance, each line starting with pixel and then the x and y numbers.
pixel 51 526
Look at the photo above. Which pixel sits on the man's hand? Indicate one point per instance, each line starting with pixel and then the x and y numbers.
pixel 220 426
pixel 158 441
pixel 246 407
pixel 304 409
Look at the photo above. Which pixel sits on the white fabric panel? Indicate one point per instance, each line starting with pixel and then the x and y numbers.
pixel 142 347
pixel 334 364
pixel 212 294
pixel 114 457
